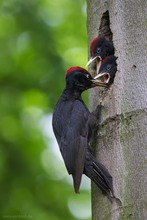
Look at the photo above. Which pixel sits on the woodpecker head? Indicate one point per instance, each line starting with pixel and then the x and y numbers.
pixel 80 79
pixel 107 70
pixel 99 49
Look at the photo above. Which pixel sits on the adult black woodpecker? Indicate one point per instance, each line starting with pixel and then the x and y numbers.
pixel 72 126
pixel 99 49
pixel 107 70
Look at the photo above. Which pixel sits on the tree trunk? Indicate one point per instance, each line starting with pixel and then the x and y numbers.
pixel 121 139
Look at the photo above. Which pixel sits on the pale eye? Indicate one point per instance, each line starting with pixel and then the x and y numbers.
pixel 98 50
pixel 87 75
pixel 108 67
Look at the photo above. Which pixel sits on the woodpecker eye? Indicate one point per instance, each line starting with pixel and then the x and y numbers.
pixel 98 50
pixel 108 67
pixel 87 75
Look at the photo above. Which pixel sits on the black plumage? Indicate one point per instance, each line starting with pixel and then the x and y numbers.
pixel 72 126
pixel 99 49
pixel 107 70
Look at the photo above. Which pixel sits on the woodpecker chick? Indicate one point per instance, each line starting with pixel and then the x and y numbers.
pixel 72 126
pixel 99 49
pixel 107 70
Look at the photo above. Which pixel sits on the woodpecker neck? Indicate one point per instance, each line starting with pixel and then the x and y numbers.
pixel 71 93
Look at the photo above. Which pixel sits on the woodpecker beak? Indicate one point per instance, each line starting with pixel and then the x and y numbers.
pixel 91 60
pixel 103 77
pixel 97 82
pixel 97 60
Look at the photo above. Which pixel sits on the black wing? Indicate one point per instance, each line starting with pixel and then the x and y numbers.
pixel 73 142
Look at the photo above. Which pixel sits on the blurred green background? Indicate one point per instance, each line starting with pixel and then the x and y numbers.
pixel 39 40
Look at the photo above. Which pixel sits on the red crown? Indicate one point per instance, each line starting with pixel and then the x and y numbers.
pixel 93 43
pixel 76 68
pixel 106 58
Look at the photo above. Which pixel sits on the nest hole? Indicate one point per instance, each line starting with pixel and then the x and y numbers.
pixel 104 29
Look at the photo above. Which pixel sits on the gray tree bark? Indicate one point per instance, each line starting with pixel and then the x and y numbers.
pixel 121 139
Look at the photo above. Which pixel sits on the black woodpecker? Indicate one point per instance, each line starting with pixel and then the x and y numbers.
pixel 72 125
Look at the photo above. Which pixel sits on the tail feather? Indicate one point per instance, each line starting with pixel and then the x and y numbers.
pixel 76 183
pixel 98 174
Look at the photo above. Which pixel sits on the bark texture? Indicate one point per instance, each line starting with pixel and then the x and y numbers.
pixel 121 140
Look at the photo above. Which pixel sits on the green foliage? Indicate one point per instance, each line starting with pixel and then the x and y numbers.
pixel 39 40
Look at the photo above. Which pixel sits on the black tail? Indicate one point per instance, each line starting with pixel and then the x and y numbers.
pixel 98 174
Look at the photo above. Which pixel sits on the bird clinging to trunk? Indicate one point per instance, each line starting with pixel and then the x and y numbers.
pixel 99 49
pixel 72 126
